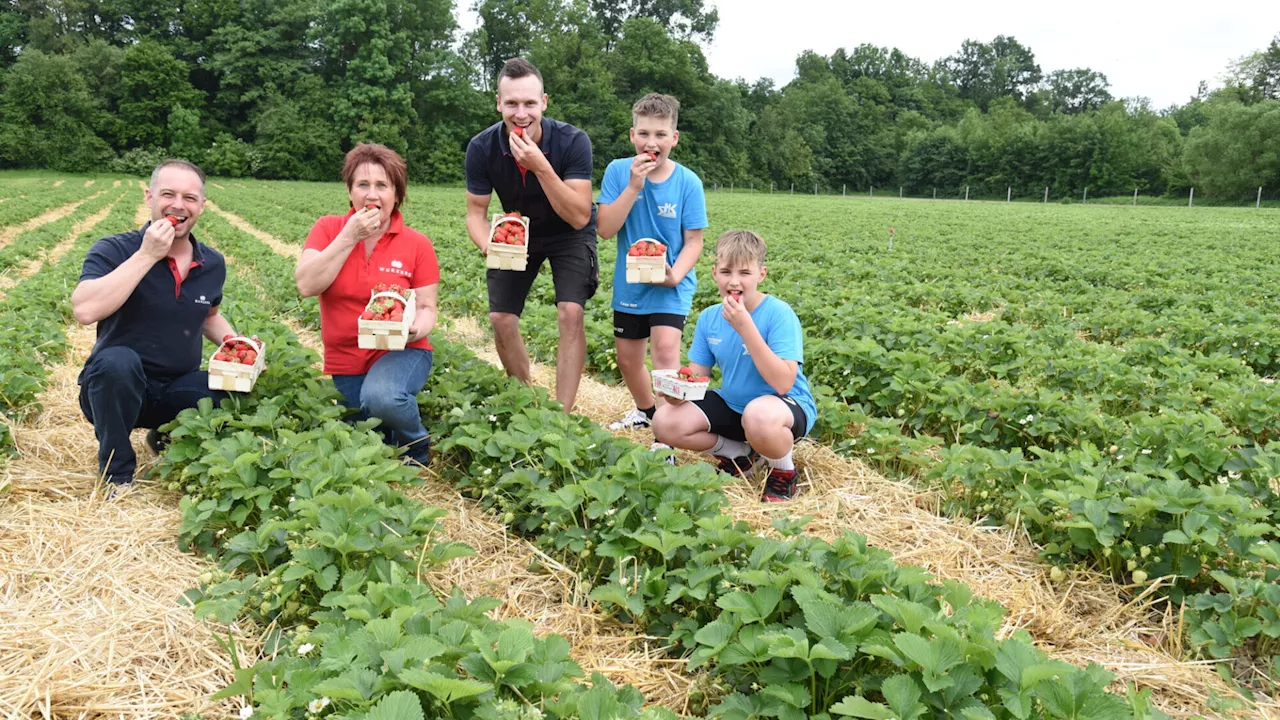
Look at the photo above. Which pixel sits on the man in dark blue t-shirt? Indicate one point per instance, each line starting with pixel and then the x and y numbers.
pixel 540 168
pixel 154 293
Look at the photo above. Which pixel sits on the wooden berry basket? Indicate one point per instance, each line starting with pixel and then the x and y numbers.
pixel 667 383
pixel 646 270
pixel 236 377
pixel 385 334
pixel 507 257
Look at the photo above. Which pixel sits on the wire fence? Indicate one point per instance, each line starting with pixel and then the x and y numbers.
pixel 1262 198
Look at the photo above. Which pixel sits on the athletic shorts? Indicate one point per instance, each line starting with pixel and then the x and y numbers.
pixel 724 420
pixel 637 327
pixel 575 273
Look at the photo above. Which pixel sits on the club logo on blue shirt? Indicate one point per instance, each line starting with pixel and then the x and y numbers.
pixel 202 300
pixel 667 211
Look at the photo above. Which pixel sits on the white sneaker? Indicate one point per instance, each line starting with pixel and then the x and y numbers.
pixel 671 456
pixel 633 420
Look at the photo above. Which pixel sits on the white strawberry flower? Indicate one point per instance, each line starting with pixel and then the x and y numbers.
pixel 318 704
pixel 493 418
pixel 246 712
pixel 305 648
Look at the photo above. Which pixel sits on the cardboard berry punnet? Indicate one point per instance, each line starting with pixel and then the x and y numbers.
pixel 385 322
pixel 508 242
pixel 647 262
pixel 681 384
pixel 237 363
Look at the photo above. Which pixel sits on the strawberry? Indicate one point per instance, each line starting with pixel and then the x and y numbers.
pixel 366 315
pixel 653 156
pixel 172 220
pixel 370 206
pixel 685 372
pixel 519 131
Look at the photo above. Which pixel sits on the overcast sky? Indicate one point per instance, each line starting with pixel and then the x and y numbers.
pixel 1158 51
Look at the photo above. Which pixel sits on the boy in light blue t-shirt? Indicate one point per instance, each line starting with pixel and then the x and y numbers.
pixel 651 197
pixel 764 404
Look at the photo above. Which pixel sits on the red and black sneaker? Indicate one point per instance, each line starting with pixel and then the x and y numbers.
pixel 780 486
pixel 738 467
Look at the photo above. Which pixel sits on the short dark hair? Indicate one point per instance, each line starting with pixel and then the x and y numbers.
pixel 390 161
pixel 516 68
pixel 174 162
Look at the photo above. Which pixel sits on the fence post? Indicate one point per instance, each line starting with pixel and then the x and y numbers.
pixel 871 191
pixel 966 192
pixel 843 189
pixel 1135 197
pixel 1008 195
pixel 1046 194
pixel 899 192
pixel 1085 201
pixel 1258 205
pixel 1191 196
pixel 815 188
pixel 935 193
pixel 770 187
pixel 793 188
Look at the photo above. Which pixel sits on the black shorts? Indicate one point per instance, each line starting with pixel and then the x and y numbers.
pixel 637 327
pixel 724 420
pixel 575 273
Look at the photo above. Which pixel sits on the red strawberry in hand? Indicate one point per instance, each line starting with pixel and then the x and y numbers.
pixel 370 206
pixel 652 156
pixel 172 220
pixel 518 130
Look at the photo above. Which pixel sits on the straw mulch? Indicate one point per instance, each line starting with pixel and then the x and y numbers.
pixel 89 589
pixel 8 234
pixel 239 223
pixel 1083 620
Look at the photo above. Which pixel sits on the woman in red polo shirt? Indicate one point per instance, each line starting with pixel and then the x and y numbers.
pixel 344 258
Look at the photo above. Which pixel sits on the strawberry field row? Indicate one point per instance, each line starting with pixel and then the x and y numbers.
pixel 1150 458
pixel 34 318
pixel 42 239
pixel 790 627
pixel 39 201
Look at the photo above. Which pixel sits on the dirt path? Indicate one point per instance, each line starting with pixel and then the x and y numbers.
pixel 58 183
pixel 9 234
pixel 89 183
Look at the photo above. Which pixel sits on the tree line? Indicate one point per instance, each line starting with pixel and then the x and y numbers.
pixel 280 89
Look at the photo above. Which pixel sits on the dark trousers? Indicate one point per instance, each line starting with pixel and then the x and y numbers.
pixel 117 396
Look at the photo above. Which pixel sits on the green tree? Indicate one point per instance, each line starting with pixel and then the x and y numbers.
pixel 188 140
pixel 1236 151
pixel 292 144
pixel 1076 91
pixel 49 113
pixel 152 83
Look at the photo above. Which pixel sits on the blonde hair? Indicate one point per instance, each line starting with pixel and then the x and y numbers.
pixel 656 105
pixel 739 247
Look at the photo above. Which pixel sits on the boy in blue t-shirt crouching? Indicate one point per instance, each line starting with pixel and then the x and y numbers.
pixel 764 404
pixel 651 197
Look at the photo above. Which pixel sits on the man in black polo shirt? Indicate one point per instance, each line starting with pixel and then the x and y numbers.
pixel 154 293
pixel 541 168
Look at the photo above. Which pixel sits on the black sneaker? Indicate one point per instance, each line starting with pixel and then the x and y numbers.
pixel 738 467
pixel 780 486
pixel 157 441
pixel 116 490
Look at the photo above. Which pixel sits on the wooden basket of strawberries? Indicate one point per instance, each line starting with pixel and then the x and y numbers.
pixel 681 384
pixel 647 262
pixel 238 362
pixel 384 324
pixel 508 242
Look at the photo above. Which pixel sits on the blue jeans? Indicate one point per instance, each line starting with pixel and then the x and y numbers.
pixel 117 396
pixel 389 392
